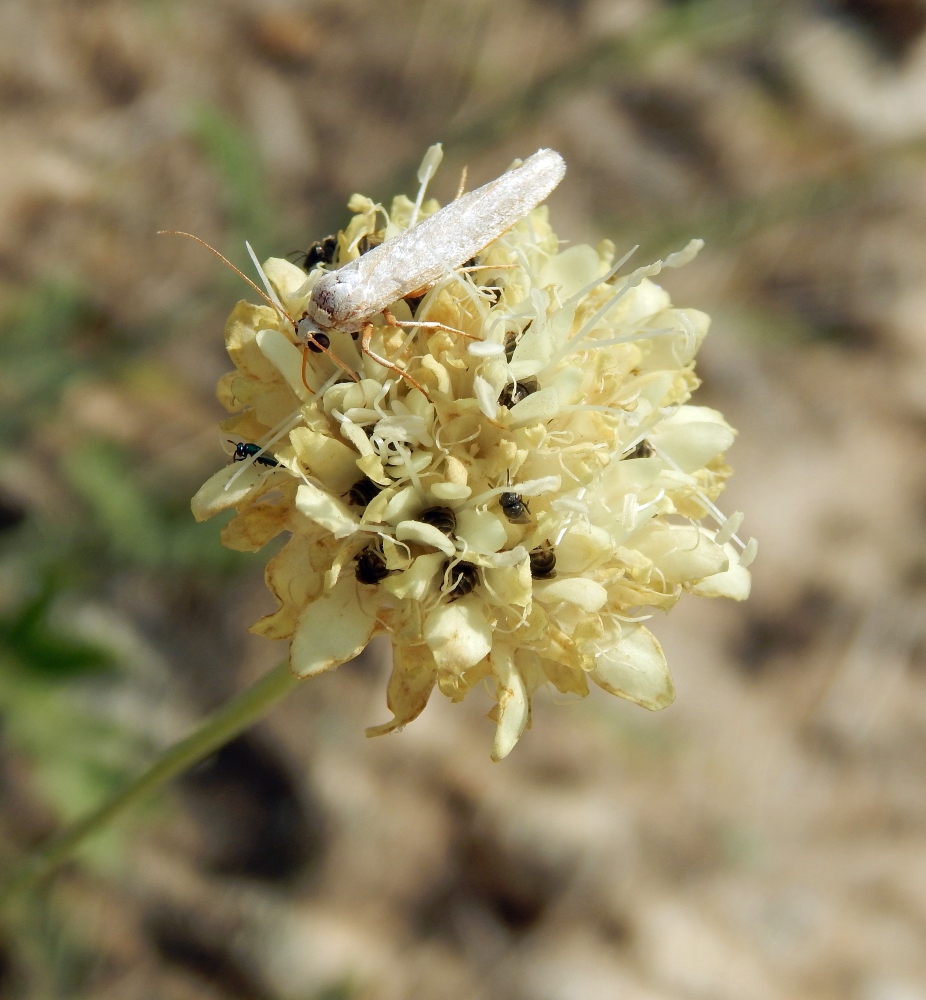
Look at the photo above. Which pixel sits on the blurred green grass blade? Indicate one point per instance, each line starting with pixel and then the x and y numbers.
pixel 226 144
pixel 39 647
pixel 129 520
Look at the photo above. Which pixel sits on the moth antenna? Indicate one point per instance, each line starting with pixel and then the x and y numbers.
pixel 225 260
pixel 462 187
pixel 487 267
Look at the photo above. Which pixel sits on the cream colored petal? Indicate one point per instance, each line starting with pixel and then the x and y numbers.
pixel 326 458
pixel 287 359
pixel 450 491
pixel 401 506
pixel 324 509
pixel 693 444
pixel 240 340
pixel 481 530
pixel 587 594
pixel 581 547
pixel 510 585
pixel 734 584
pixel 286 277
pixel 539 407
pixel 424 534
pixel 513 704
pixel 630 475
pixel 255 526
pixel 331 630
pixel 414 674
pixel 636 669
pixel 681 553
pixel 415 582
pixel 372 467
pixel 571 270
pixel 458 634
pixel 212 497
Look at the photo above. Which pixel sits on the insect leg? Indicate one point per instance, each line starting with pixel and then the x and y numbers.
pixel 365 339
pixel 305 358
pixel 399 323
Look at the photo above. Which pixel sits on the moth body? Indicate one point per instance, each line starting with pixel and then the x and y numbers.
pixel 349 297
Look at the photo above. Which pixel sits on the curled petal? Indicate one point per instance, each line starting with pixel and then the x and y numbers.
pixel 636 669
pixel 734 584
pixel 424 534
pixel 330 631
pixel 414 674
pixel 586 594
pixel 513 704
pixel 212 497
pixel 287 359
pixel 324 509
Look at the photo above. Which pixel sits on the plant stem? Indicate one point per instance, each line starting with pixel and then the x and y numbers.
pixel 216 730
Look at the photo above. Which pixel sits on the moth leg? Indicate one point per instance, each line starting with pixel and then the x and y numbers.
pixel 365 338
pixel 400 323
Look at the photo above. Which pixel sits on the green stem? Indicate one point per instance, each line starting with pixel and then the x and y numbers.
pixel 216 730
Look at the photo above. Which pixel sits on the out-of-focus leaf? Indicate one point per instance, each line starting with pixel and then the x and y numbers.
pixel 37 646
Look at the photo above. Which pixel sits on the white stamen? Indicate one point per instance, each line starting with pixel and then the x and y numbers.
pixel 729 529
pixel 263 277
pixel 485 348
pixel 426 171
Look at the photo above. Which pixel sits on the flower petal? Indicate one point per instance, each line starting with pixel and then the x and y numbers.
pixel 414 674
pixel 458 634
pixel 481 530
pixel 513 704
pixel 331 630
pixel 212 497
pixel 587 594
pixel 424 534
pixel 287 359
pixel 734 584
pixel 326 458
pixel 636 669
pixel 324 509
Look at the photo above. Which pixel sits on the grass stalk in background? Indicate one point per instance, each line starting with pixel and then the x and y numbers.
pixel 216 730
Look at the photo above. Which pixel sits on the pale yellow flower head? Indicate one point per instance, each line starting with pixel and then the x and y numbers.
pixel 519 519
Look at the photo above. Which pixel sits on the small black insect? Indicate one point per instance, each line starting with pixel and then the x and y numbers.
pixel 362 492
pixel 414 301
pixel 368 243
pixel 643 450
pixel 543 561
pixel 463 579
pixel 318 342
pixel 511 341
pixel 321 252
pixel 442 518
pixel 514 508
pixel 515 392
pixel 371 566
pixel 244 450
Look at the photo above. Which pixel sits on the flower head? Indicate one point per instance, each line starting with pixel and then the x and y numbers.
pixel 513 510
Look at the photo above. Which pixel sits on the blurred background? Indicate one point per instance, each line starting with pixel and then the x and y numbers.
pixel 762 839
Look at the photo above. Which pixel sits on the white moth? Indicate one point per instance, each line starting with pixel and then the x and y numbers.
pixel 348 298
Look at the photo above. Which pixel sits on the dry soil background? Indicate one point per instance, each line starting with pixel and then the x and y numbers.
pixel 763 839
